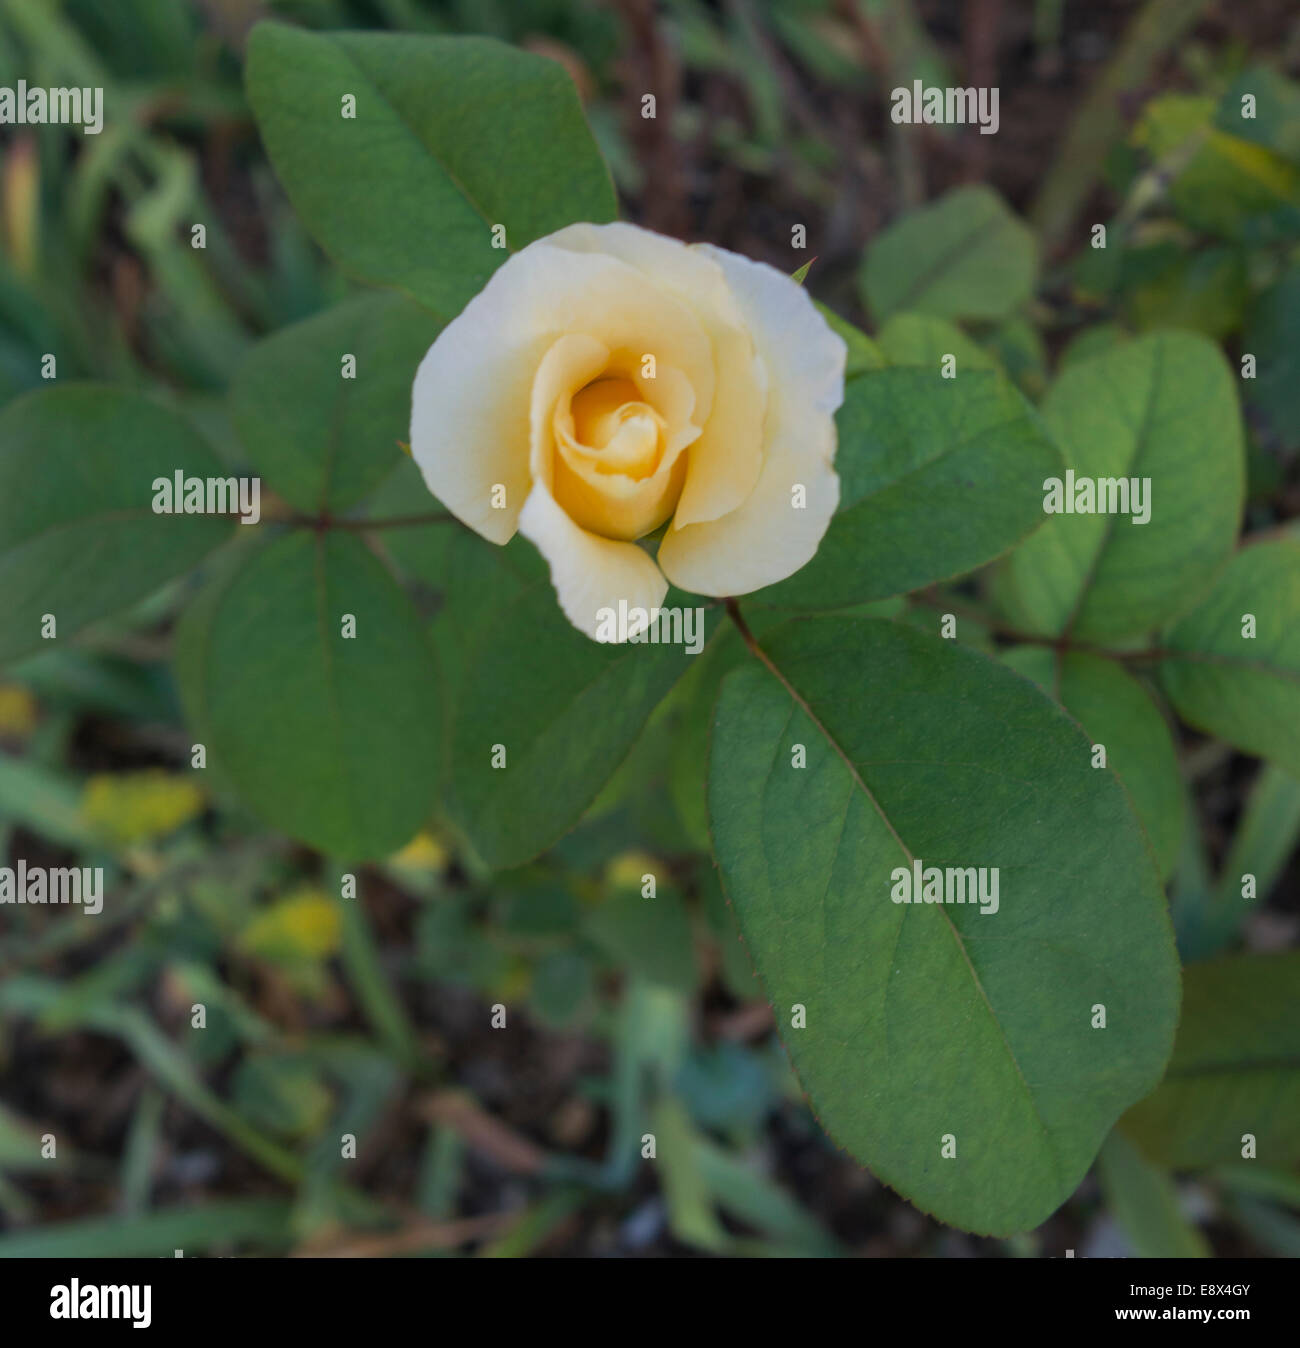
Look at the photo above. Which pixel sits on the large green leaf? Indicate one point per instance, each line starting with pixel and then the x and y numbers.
pixel 323 441
pixel 565 709
pixel 937 477
pixel 1163 408
pixel 333 739
pixel 957 1021
pixel 452 136
pixel 1118 712
pixel 1244 689
pixel 78 535
pixel 1235 1068
pixel 963 256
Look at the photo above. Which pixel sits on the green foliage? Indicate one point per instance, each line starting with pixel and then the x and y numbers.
pixel 965 256
pixel 78 536
pixel 1145 1204
pixel 1233 1073
pixel 1164 409
pixel 1241 686
pixel 937 476
pixel 322 439
pixel 332 737
pixel 524 764
pixel 533 777
pixel 450 138
pixel 920 1028
pixel 1117 711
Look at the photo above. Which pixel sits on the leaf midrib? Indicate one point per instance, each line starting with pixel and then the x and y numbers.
pixel 415 135
pixel 856 777
pixel 945 262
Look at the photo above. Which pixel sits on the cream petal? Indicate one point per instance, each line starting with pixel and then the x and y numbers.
pixel 572 361
pixel 589 573
pixel 796 344
pixel 727 458
pixel 471 402
pixel 612 504
pixel 768 538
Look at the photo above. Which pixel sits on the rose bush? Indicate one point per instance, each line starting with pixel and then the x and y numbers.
pixel 608 381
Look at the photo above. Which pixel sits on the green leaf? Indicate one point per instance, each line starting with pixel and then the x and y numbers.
pixel 452 136
pixel 281 1093
pixel 863 353
pixel 564 708
pixel 78 535
pixel 963 256
pixel 691 1216
pixel 957 1021
pixel 1117 711
pixel 1144 1202
pixel 1167 287
pixel 1228 187
pixel 1235 1068
pixel 1163 408
pixel 650 938
pixel 917 339
pixel 1272 336
pixel 1245 690
pixel 937 477
pixel 333 739
pixel 218 1224
pixel 324 441
pixel 1276 121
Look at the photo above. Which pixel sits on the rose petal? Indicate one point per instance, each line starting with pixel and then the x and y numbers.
pixel 767 538
pixel 589 573
pixel 727 458
pixel 471 401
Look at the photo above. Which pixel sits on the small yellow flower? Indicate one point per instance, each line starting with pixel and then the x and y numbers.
pixel 423 853
pixel 305 925
pixel 133 807
pixel 17 712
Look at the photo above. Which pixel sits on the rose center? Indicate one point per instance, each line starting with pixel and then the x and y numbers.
pixel 626 434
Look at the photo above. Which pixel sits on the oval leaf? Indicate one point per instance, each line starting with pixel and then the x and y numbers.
pixel 963 256
pixel 451 137
pixel 563 710
pixel 1162 410
pixel 79 538
pixel 939 1021
pixel 937 477
pixel 1235 1068
pixel 324 440
pixel 333 739
pixel 1237 680
pixel 1119 713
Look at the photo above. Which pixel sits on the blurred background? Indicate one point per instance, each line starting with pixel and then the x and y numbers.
pixel 373 1017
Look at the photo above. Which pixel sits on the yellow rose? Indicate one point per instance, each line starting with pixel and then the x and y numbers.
pixel 608 381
